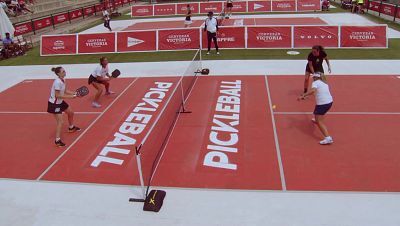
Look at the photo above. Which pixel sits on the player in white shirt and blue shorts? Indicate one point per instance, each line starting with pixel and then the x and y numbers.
pixel 100 76
pixel 56 104
pixel 324 102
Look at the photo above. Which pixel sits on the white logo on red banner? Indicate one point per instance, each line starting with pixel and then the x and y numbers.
pixel 134 41
pixel 61 44
pixel 308 36
pixel 96 43
pixel 179 39
pixel 368 36
pixel 269 37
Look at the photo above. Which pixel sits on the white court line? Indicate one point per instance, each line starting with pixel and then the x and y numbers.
pixel 339 113
pixel 278 149
pixel 45 112
pixel 87 129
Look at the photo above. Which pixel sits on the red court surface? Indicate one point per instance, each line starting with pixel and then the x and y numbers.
pixel 229 22
pixel 229 141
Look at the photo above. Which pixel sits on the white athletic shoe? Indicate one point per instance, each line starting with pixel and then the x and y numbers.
pixel 313 120
pixel 327 140
pixel 96 105
pixel 110 92
pixel 217 53
pixel 208 53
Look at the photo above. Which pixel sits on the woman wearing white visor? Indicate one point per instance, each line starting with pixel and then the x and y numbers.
pixel 324 101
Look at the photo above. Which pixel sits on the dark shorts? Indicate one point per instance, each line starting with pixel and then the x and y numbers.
pixel 93 79
pixel 229 5
pixel 322 109
pixel 53 108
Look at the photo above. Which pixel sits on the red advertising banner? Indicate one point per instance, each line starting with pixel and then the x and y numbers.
pixel 308 5
pixel 99 7
pixel 136 41
pixel 259 6
pixel 75 14
pixel 56 45
pixel 215 7
pixel 374 6
pixel 179 39
pixel 398 13
pixel 142 10
pixel 61 18
pixel 228 37
pixel 96 43
pixel 283 5
pixel 164 9
pixel 182 9
pixel 88 11
pixel 42 23
pixel 24 28
pixel 363 36
pixel 308 36
pixel 117 3
pixel 388 9
pixel 239 7
pixel 269 37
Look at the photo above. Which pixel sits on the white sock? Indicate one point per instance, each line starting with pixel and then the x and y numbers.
pixel 58 139
pixel 71 126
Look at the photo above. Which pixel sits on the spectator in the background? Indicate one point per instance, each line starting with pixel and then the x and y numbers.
pixel 8 46
pixel 23 7
pixel 360 6
pixel 106 17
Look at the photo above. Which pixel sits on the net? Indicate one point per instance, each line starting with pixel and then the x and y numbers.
pixel 153 144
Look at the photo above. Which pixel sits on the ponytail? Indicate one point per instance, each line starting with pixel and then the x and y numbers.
pixel 56 70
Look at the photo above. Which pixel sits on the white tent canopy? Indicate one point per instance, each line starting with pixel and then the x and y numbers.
pixel 5 24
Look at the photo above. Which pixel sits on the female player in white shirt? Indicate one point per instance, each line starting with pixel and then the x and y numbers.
pixel 100 76
pixel 324 101
pixel 56 104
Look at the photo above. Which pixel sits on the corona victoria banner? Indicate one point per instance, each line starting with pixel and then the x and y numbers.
pixel 182 8
pixel 259 6
pixel 283 5
pixel 164 9
pixel 96 43
pixel 228 37
pixel 308 5
pixel 215 7
pixel 308 36
pixel 58 45
pixel 364 36
pixel 269 37
pixel 142 10
pixel 136 41
pixel 179 39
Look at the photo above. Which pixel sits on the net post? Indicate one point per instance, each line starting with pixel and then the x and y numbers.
pixel 139 165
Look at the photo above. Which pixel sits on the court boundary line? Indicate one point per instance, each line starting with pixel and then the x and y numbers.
pixel 84 132
pixel 45 112
pixel 276 139
pixel 338 113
